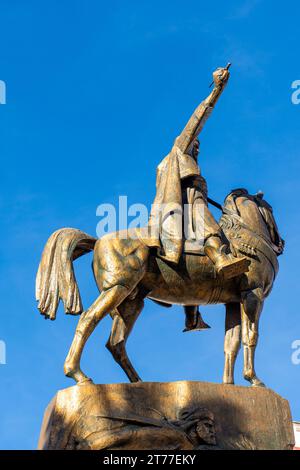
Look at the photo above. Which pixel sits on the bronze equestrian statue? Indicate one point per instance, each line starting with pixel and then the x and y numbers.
pixel 183 256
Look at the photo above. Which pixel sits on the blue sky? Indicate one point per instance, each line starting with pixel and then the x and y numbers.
pixel 96 93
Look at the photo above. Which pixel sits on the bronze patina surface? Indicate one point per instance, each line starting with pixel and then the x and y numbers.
pixel 127 272
pixel 169 416
pixel 235 264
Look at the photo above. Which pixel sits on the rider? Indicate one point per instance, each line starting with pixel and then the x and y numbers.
pixel 181 202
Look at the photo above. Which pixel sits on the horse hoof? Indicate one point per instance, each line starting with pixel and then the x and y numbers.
pixel 257 383
pixel 70 371
pixel 76 374
pixel 86 381
pixel 228 382
pixel 135 380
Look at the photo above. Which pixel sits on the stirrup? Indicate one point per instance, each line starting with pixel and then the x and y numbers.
pixel 232 267
pixel 199 326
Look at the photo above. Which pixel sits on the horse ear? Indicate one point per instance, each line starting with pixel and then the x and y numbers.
pixel 259 194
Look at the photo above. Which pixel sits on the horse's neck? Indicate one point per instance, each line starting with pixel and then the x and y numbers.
pixel 251 216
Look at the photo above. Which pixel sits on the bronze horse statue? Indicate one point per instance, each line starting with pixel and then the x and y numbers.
pixel 127 272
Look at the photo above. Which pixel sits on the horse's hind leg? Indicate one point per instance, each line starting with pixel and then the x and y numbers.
pixel 107 301
pixel 119 265
pixel 123 321
pixel 251 308
pixel 232 340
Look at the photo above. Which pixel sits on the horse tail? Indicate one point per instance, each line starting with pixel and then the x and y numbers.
pixel 55 278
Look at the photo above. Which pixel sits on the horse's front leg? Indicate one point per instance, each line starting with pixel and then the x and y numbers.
pixel 251 308
pixel 232 342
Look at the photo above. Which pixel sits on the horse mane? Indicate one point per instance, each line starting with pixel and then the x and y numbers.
pixel 231 197
pixel 266 213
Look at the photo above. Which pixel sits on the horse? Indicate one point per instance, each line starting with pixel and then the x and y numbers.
pixel 127 272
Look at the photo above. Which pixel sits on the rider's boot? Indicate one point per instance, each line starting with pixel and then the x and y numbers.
pixel 227 266
pixel 193 319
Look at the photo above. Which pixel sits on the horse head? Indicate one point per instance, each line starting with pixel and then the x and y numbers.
pixel 254 210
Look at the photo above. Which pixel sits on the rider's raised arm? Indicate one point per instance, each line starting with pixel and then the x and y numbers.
pixel 203 111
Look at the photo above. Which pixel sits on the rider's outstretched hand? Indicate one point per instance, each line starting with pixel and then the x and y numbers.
pixel 221 76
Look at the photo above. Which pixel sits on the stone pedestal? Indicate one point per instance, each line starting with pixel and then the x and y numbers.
pixel 168 416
